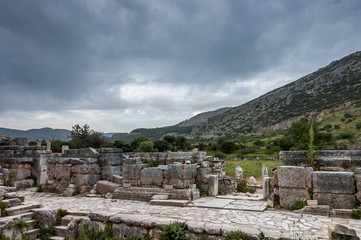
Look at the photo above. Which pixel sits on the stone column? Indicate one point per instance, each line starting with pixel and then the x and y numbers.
pixel 213 185
pixel 48 145
pixel 64 148
pixel 239 173
pixel 266 187
pixel 38 142
pixel 264 171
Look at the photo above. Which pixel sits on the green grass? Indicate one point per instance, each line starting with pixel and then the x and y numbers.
pixel 250 167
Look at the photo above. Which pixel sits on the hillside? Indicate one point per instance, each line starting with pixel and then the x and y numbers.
pixel 311 96
pixel 203 117
pixel 33 134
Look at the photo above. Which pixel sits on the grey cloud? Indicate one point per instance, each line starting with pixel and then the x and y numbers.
pixel 60 55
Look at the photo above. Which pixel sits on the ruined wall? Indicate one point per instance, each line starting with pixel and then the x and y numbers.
pixel 165 158
pixel 327 158
pixel 335 189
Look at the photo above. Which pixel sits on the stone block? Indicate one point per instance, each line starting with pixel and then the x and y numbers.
pixel 126 185
pixel 181 183
pixel 333 182
pixel 86 179
pixel 358 196
pixel 68 192
pixel 290 196
pixel 86 169
pixel 335 200
pixel 115 170
pixel 338 231
pixel 62 172
pixel 203 174
pixel 89 153
pixel 151 176
pixel 168 187
pixel 213 185
pixel 128 161
pixel 103 187
pixel 23 184
pixel 292 177
pixel 132 171
pixel 312 202
pixel 341 213
pixel 179 157
pixel 181 171
pixel 321 210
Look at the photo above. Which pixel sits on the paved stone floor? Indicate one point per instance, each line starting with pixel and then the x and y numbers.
pixel 272 223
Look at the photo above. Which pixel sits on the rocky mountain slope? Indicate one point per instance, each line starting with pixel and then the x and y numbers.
pixel 330 87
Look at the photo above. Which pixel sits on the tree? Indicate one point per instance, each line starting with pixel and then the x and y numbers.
pixel 162 145
pixel 228 146
pixel 300 134
pixel 146 146
pixel 83 137
pixel 136 142
pixel 123 145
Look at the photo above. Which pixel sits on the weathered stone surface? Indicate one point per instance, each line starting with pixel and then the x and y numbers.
pixel 62 172
pixel 132 171
pixel 58 160
pixel 202 175
pixel 239 173
pixel 23 184
pixel 290 196
pixel 46 216
pixel 103 187
pixel 152 176
pixel 86 179
pixel 21 173
pixel 128 161
pixel 358 182
pixel 335 200
pixel 179 157
pixel 338 232
pixel 68 192
pixel 100 216
pixel 333 182
pixel 266 187
pixel 321 210
pixel 181 171
pixel 341 213
pixel 180 183
pixel 86 169
pixel 292 177
pixel 213 185
pixel 328 158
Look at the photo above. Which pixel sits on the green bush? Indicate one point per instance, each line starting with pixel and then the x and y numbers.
pixel 174 231
pixel 299 205
pixel 3 206
pixel 242 187
pixel 202 192
pixel 356 213
pixel 220 155
pixel 46 233
pixel 222 190
pixel 238 235
pixel 59 215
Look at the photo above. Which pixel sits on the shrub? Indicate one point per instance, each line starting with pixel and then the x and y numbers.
pixel 356 213
pixel 299 205
pixel 174 231
pixel 336 126
pixel 242 187
pixel 228 146
pixel 238 235
pixel 202 192
pixel 220 155
pixel 345 135
pixel 222 190
pixel 358 125
pixel 61 213
pixel 3 206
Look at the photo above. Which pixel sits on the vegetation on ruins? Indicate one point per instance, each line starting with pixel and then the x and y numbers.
pixel 356 213
pixel 242 187
pixel 237 235
pixel 174 231
pixel 83 137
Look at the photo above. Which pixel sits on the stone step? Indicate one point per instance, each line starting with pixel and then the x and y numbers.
pixel 170 202
pixel 12 202
pixel 160 197
pixel 31 234
pixel 26 216
pixel 10 195
pixel 17 210
pixel 61 231
pixel 68 218
pixel 56 238
pixel 32 223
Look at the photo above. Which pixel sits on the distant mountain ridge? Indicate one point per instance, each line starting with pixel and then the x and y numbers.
pixel 33 134
pixel 329 87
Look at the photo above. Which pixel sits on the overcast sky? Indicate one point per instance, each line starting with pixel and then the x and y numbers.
pixel 124 64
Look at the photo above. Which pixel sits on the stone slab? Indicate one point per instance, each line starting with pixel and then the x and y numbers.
pixel 293 177
pixel 290 196
pixel 333 182
pixel 175 203
pixel 335 200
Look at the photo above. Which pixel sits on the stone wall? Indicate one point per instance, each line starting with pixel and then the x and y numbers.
pixel 335 189
pixel 327 158
pixel 165 158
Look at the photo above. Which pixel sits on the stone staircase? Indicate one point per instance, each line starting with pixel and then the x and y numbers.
pixel 16 214
pixel 61 229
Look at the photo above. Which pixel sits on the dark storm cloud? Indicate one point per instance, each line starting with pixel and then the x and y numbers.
pixel 61 55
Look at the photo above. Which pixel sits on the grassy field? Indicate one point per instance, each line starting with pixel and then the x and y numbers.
pixel 250 167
